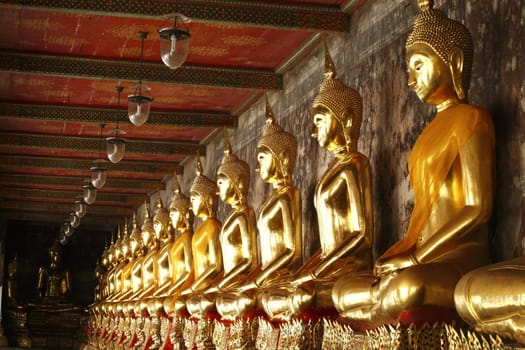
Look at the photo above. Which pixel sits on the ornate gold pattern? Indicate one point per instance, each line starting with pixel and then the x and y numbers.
pixel 244 40
pixel 208 51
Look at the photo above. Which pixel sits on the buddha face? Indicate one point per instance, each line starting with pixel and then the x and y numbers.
pixel 198 205
pixel 266 164
pixel 158 227
pixel 134 246
pixel 176 218
pixel 327 129
pixel 428 75
pixel 226 189
pixel 147 237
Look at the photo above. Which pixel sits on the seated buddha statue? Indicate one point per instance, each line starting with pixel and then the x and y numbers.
pixel 114 257
pixel 99 274
pixel 238 233
pixel 123 259
pixel 54 283
pixel 451 170
pixel 279 220
pixel 181 263
pixel 107 261
pixel 490 299
pixel 343 202
pixel 134 243
pixel 207 256
pixel 146 236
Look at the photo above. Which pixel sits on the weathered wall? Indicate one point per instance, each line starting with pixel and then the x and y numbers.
pixel 370 58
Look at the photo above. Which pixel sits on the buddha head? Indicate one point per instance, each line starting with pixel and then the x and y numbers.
pixel 148 232
pixel 276 151
pixel 337 112
pixel 124 243
pixel 203 193
pixel 181 215
pixel 439 57
pixel 104 256
pixel 233 176
pixel 99 270
pixel 55 255
pixel 117 251
pixel 161 221
pixel 111 251
pixel 135 239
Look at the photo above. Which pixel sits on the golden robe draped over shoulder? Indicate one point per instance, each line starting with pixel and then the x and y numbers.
pixel 431 159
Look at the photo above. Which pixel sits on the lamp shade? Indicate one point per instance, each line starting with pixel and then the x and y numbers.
pixel 80 208
pixel 174 46
pixel 89 193
pixel 138 108
pixel 116 148
pixel 98 176
pixel 67 229
pixel 74 220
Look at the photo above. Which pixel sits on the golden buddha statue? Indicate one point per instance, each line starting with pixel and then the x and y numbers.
pixel 107 261
pixel 452 174
pixel 279 220
pixel 147 234
pixel 54 283
pixel 114 257
pixel 343 201
pixel 162 227
pixel 150 268
pixel 12 267
pixel 491 299
pixel 134 244
pixel 238 233
pixel 123 259
pixel 181 260
pixel 99 274
pixel 207 256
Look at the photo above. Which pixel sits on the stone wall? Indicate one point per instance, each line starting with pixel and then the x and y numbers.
pixel 371 58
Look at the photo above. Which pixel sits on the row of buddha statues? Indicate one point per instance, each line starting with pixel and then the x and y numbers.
pixel 252 265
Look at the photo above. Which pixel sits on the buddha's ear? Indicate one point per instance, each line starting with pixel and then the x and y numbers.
pixel 456 59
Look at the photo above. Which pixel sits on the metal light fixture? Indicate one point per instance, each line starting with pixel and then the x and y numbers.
pixel 116 146
pixel 89 193
pixel 74 220
pixel 80 208
pixel 99 172
pixel 174 42
pixel 139 104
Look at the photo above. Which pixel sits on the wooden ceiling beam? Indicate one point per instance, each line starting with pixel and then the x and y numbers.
pixel 88 222
pixel 233 12
pixel 57 208
pixel 24 180
pixel 92 144
pixel 117 199
pixel 84 164
pixel 99 115
pixel 105 69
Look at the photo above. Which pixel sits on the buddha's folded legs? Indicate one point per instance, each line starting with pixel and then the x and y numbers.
pixel 492 299
pixel 367 298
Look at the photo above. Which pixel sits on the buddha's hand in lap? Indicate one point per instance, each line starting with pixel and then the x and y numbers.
pixel 392 265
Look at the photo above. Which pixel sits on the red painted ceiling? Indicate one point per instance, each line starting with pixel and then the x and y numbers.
pixel 31 135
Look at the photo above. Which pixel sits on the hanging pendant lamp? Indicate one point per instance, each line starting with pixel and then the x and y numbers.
pixel 174 42
pixel 99 172
pixel 139 104
pixel 115 145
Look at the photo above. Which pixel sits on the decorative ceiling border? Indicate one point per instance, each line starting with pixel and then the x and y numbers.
pixel 93 144
pixel 233 12
pixel 116 199
pixel 84 164
pixel 99 115
pixel 22 180
pixel 105 69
